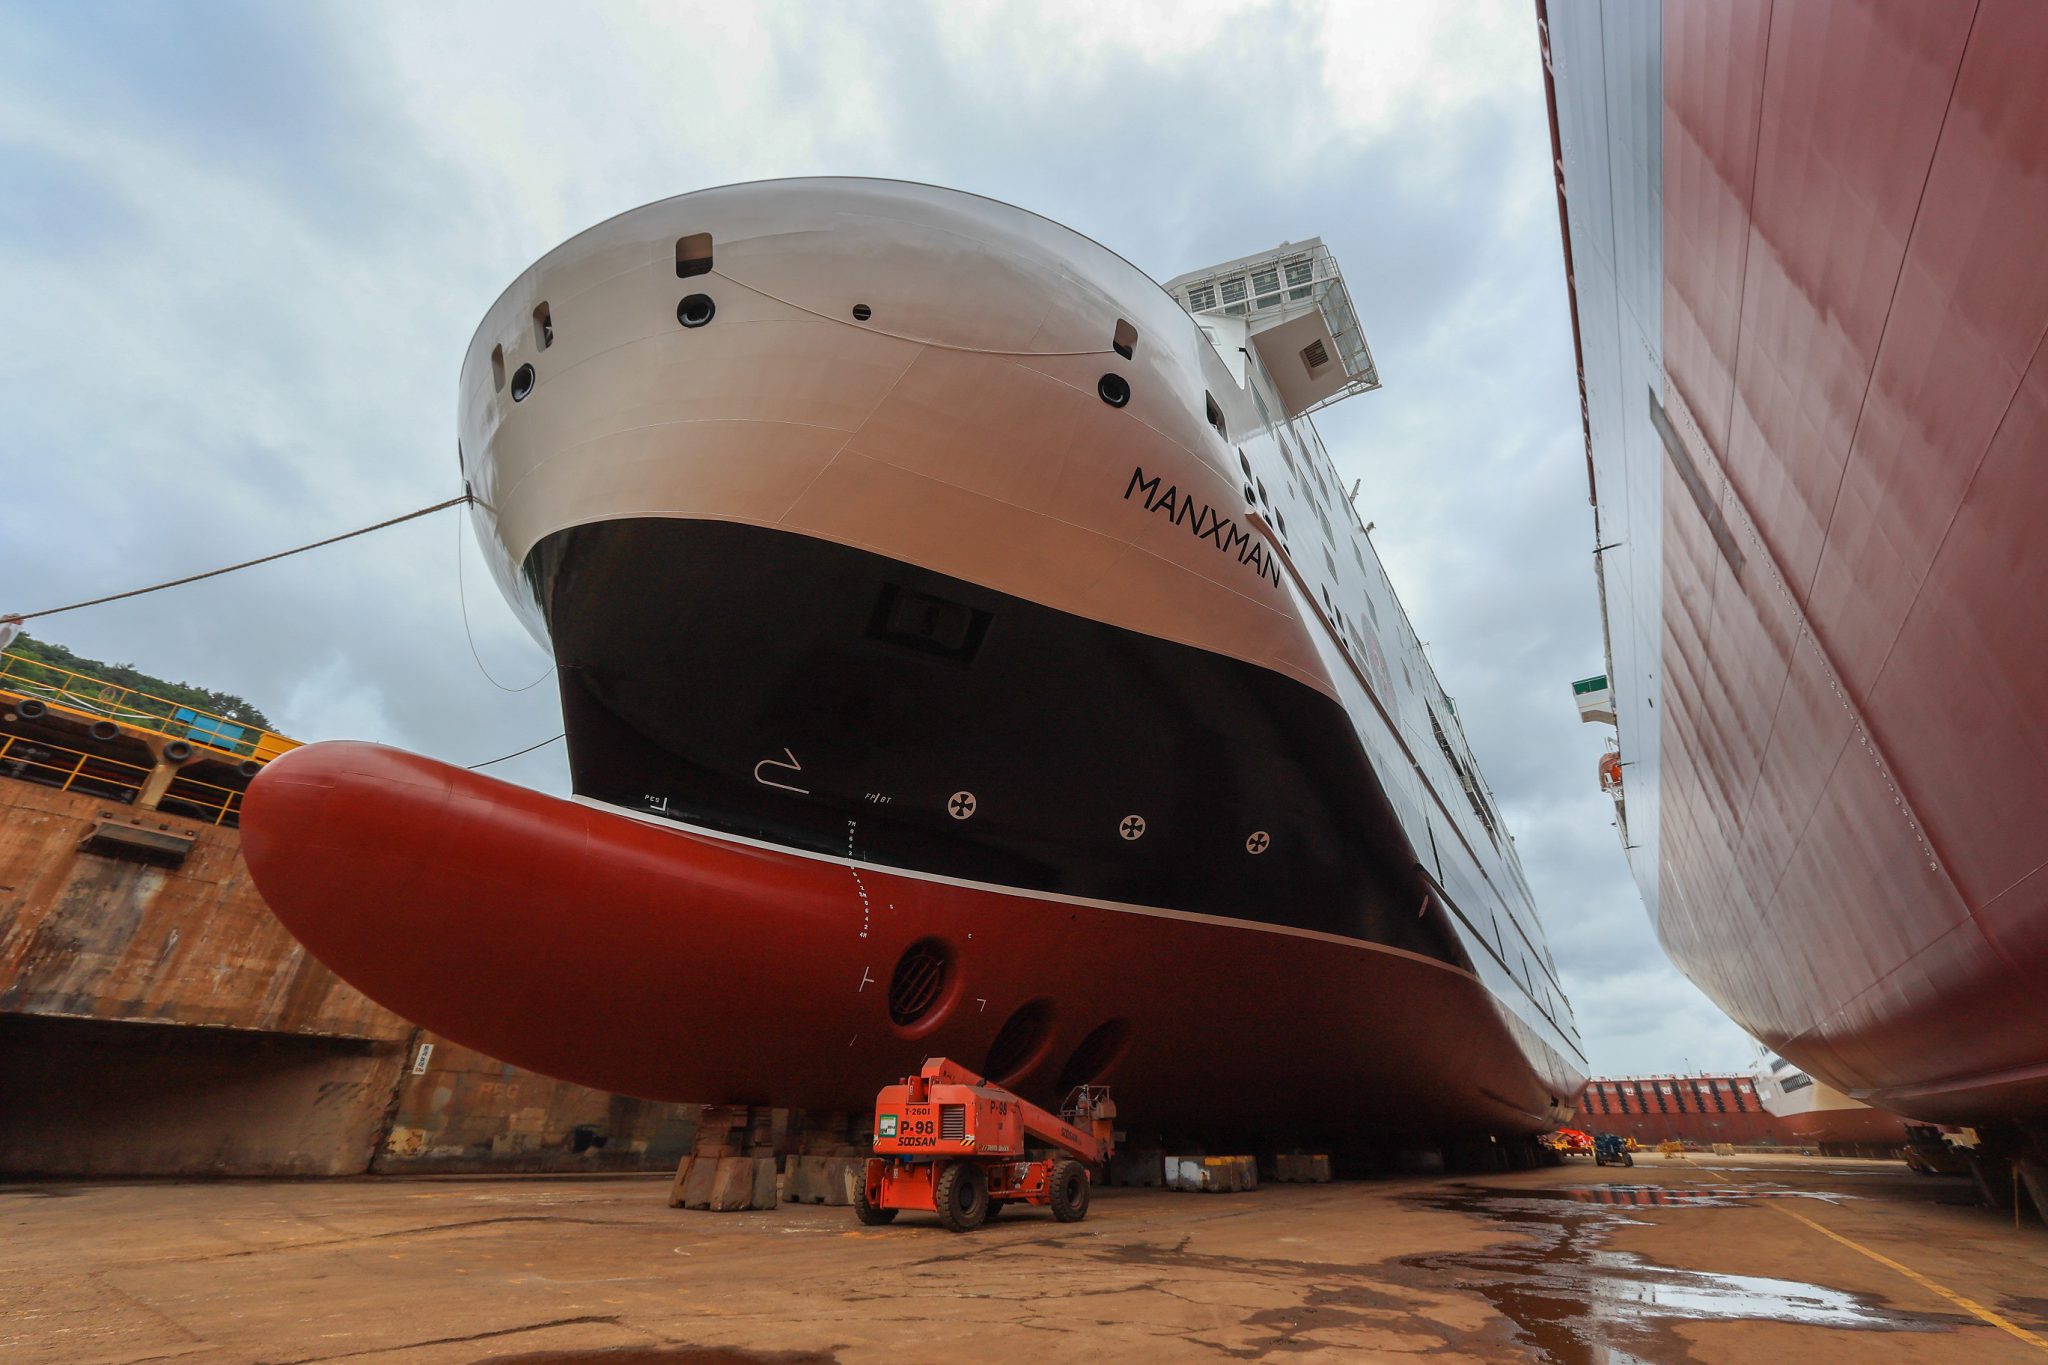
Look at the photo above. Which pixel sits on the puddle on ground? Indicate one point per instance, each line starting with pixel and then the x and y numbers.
pixel 1580 1303
pixel 666 1355
pixel 1703 1196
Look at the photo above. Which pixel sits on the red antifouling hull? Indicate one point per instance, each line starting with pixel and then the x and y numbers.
pixel 660 962
pixel 1848 1127
pixel 1804 246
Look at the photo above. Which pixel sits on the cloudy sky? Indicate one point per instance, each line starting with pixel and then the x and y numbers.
pixel 242 249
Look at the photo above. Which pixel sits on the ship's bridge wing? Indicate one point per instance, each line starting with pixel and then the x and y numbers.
pixel 1294 309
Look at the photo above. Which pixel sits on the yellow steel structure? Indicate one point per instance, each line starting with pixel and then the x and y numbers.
pixel 85 697
pixel 67 769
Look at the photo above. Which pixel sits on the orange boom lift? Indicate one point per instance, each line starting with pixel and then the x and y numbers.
pixel 949 1141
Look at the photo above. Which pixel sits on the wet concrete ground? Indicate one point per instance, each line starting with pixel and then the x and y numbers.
pixel 1730 1259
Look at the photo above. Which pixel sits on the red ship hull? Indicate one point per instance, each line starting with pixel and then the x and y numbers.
pixel 1847 1128
pixel 1811 234
pixel 661 962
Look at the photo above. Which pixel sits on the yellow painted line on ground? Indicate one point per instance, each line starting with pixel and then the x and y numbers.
pixel 1970 1306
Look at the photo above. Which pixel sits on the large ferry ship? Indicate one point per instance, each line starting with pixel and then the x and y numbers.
pixel 966 647
pixel 1803 243
pixel 1815 1112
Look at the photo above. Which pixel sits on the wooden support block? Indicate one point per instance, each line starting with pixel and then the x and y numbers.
pixel 721 1130
pixel 675 1191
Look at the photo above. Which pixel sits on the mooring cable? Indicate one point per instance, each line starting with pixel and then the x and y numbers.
pixel 462 601
pixel 245 564
pixel 517 752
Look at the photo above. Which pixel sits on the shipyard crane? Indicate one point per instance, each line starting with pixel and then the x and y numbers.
pixel 953 1142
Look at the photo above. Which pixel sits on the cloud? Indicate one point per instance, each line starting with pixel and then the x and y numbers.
pixel 246 247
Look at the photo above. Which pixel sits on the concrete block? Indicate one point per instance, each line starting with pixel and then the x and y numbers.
pixel 821 1180
pixel 765 1192
pixel 698 1175
pixel 803 1180
pixel 1296 1168
pixel 1212 1174
pixel 732 1188
pixel 2034 1179
pixel 843 1176
pixel 1421 1161
pixel 1724 1149
pixel 728 1184
pixel 1144 1169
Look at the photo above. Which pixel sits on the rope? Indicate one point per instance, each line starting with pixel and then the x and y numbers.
pixel 245 564
pixel 462 601
pixel 514 754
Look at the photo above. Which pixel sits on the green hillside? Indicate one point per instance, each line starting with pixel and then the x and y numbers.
pixel 127 675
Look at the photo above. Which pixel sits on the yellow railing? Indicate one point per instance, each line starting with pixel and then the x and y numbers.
pixel 90 698
pixel 67 769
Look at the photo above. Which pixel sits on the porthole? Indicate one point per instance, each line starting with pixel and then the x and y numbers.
pixel 1115 390
pixel 861 312
pixel 695 310
pixel 522 383
pixel 1243 463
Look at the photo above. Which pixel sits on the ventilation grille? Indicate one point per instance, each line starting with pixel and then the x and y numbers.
pixel 919 979
pixel 1315 355
pixel 1095 1055
pixel 952 1123
pixel 1017 1048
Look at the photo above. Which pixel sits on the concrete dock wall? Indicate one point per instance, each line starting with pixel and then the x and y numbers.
pixel 1703 1109
pixel 465 1112
pixel 156 1019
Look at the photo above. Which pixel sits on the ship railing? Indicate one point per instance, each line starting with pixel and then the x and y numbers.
pixel 68 769
pixel 86 697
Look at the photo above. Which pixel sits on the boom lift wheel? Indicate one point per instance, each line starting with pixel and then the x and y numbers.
pixel 962 1196
pixel 1068 1185
pixel 867 1213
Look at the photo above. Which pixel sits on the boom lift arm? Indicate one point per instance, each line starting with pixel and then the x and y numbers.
pixel 951 1141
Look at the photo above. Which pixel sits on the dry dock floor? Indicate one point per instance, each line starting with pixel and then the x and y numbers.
pixel 1707 1259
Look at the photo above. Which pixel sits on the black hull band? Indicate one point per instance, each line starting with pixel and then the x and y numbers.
pixel 828 699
